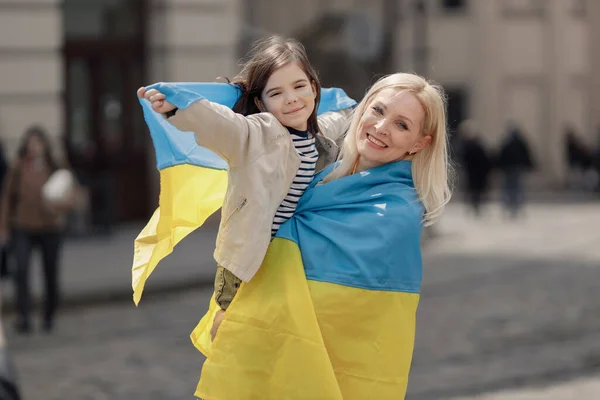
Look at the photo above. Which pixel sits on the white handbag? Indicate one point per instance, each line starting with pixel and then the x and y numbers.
pixel 59 187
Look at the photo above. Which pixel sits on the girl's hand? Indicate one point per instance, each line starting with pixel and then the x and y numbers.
pixel 219 316
pixel 157 100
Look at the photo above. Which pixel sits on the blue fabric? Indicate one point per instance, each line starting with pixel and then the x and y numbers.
pixel 363 230
pixel 174 147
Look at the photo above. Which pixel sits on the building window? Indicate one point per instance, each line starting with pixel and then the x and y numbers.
pixel 578 8
pixel 99 19
pixel 523 8
pixel 454 5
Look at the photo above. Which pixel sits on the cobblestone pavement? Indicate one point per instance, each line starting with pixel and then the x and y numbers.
pixel 578 389
pixel 115 352
pixel 504 305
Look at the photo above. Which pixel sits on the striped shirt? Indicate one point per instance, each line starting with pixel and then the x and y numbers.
pixel 305 147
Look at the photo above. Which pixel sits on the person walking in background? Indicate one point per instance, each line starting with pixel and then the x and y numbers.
pixel 30 220
pixel 580 161
pixel 477 165
pixel 514 160
pixel 4 260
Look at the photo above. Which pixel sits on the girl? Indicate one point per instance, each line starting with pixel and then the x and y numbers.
pixel 273 144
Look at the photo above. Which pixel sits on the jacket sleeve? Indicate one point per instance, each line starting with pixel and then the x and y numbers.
pixel 237 139
pixel 334 125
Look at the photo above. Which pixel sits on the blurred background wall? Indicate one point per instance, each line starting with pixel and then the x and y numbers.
pixel 74 66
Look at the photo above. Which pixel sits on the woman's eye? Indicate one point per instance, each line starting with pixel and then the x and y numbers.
pixel 377 110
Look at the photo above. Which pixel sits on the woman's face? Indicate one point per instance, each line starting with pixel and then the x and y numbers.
pixel 290 96
pixel 391 128
pixel 35 147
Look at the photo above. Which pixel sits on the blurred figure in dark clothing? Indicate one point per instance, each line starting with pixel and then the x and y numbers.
pixel 514 160
pixel 477 165
pixel 4 256
pixel 3 165
pixel 578 155
pixel 583 173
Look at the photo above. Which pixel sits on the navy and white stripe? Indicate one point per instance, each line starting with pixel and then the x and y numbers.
pixel 305 147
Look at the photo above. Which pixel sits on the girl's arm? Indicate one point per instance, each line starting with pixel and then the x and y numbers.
pixel 235 138
pixel 334 125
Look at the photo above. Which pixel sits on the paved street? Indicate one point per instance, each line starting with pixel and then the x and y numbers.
pixel 116 352
pixel 505 305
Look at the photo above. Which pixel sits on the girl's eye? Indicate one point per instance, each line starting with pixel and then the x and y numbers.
pixel 402 125
pixel 378 110
pixel 301 86
pixel 274 94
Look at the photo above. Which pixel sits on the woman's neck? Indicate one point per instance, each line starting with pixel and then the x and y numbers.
pixel 361 164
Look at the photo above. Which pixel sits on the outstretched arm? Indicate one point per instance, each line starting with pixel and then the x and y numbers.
pixel 235 138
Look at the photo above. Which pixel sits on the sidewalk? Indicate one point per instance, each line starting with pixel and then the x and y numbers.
pixel 548 231
pixel 98 269
pixel 579 389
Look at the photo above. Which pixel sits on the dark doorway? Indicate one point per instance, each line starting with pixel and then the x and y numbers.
pixel 106 136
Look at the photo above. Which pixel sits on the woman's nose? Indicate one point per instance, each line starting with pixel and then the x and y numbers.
pixel 380 127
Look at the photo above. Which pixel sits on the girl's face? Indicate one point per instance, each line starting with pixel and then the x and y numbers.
pixel 35 147
pixel 290 96
pixel 391 128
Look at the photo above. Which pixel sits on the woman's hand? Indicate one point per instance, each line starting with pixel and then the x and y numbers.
pixel 157 99
pixel 219 316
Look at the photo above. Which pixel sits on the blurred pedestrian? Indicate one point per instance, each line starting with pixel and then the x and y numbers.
pixel 514 160
pixel 580 160
pixel 9 388
pixel 477 165
pixel 4 260
pixel 32 217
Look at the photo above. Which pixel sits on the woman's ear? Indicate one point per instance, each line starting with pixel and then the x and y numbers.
pixel 259 104
pixel 421 144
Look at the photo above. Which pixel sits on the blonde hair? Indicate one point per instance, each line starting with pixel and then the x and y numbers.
pixel 431 165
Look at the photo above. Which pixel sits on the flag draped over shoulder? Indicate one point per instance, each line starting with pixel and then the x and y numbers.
pixel 331 312
pixel 193 180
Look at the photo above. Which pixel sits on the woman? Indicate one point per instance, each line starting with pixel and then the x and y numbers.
pixel 331 312
pixel 31 221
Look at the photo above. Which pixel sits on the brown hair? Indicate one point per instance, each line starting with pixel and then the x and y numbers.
pixel 266 56
pixel 40 133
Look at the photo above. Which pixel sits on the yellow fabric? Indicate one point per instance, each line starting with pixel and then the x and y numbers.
pixel 284 337
pixel 188 196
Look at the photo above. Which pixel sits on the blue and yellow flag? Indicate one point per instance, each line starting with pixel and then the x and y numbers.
pixel 193 180
pixel 331 312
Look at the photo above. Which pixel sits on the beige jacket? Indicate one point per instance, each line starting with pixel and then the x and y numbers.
pixel 262 164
